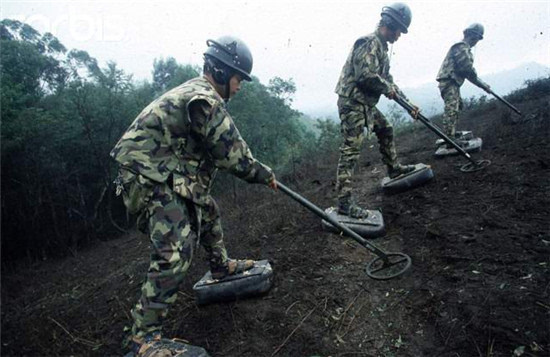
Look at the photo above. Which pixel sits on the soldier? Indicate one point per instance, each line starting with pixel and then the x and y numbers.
pixel 364 78
pixel 168 159
pixel 457 66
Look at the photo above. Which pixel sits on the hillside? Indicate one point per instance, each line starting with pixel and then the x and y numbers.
pixel 479 284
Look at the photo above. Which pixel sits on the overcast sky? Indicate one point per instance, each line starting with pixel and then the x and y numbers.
pixel 304 40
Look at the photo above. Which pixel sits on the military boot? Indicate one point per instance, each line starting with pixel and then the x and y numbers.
pixel 220 269
pixel 398 170
pixel 152 345
pixel 352 210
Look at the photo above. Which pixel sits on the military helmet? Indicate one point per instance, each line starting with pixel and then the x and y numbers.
pixel 232 53
pixel 399 14
pixel 476 30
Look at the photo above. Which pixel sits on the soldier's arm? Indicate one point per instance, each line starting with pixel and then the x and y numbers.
pixel 464 64
pixel 396 89
pixel 224 143
pixel 366 68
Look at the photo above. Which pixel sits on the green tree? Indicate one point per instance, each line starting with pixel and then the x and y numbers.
pixel 282 89
pixel 168 74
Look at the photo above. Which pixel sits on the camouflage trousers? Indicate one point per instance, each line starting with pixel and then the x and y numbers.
pixel 354 118
pixel 450 92
pixel 172 224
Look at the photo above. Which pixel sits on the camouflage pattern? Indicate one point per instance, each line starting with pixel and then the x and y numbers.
pixel 450 92
pixel 169 157
pixel 164 142
pixel 364 78
pixel 366 73
pixel 172 225
pixel 457 66
pixel 354 117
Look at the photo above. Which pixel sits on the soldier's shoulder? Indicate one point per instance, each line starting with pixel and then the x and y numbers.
pixel 366 41
pixel 460 45
pixel 367 38
pixel 198 89
pixel 198 85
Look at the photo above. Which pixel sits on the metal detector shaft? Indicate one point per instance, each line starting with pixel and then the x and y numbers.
pixel 319 212
pixel 408 107
pixel 505 102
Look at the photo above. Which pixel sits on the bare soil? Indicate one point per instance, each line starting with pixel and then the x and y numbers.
pixel 479 284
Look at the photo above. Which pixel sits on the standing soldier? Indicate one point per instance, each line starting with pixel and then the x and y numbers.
pixel 168 160
pixel 457 66
pixel 364 78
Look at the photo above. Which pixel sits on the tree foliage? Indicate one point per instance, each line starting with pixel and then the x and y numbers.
pixel 62 112
pixel 168 74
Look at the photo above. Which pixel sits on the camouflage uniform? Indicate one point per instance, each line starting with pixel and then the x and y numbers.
pixel 364 78
pixel 169 157
pixel 457 66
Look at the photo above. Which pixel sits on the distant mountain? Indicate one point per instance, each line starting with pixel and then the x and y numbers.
pixel 428 98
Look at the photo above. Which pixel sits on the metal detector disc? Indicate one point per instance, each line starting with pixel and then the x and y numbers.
pixel 470 167
pixel 388 267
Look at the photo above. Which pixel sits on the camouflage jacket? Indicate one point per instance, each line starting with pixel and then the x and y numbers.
pixel 366 73
pixel 186 135
pixel 458 65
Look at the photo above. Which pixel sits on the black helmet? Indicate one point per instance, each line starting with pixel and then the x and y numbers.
pixel 233 53
pixel 475 30
pixel 398 13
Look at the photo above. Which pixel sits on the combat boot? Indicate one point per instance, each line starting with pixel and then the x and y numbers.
pixel 229 267
pixel 153 345
pixel 352 210
pixel 398 170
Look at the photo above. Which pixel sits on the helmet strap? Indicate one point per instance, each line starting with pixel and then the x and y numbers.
pixel 227 92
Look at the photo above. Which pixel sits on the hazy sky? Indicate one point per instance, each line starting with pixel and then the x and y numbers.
pixel 304 40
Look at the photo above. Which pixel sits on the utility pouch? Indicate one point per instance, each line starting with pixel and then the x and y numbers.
pixel 136 190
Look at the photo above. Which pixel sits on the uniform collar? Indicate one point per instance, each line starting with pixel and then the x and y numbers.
pixel 381 38
pixel 465 42
pixel 218 96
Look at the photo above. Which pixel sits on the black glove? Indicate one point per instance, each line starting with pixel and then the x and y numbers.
pixel 262 174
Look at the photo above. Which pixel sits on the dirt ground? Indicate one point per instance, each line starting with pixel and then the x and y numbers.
pixel 479 283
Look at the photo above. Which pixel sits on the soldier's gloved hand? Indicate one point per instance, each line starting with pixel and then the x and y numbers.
pixel 414 113
pixel 264 175
pixel 273 183
pixel 392 94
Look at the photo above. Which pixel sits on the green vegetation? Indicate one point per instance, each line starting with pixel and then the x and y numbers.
pixel 62 114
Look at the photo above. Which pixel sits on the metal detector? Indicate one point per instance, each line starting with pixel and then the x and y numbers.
pixel 490 91
pixel 472 165
pixel 386 266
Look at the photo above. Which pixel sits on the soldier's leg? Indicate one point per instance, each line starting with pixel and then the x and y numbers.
pixel 211 239
pixel 453 103
pixel 353 119
pixel 171 236
pixel 384 132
